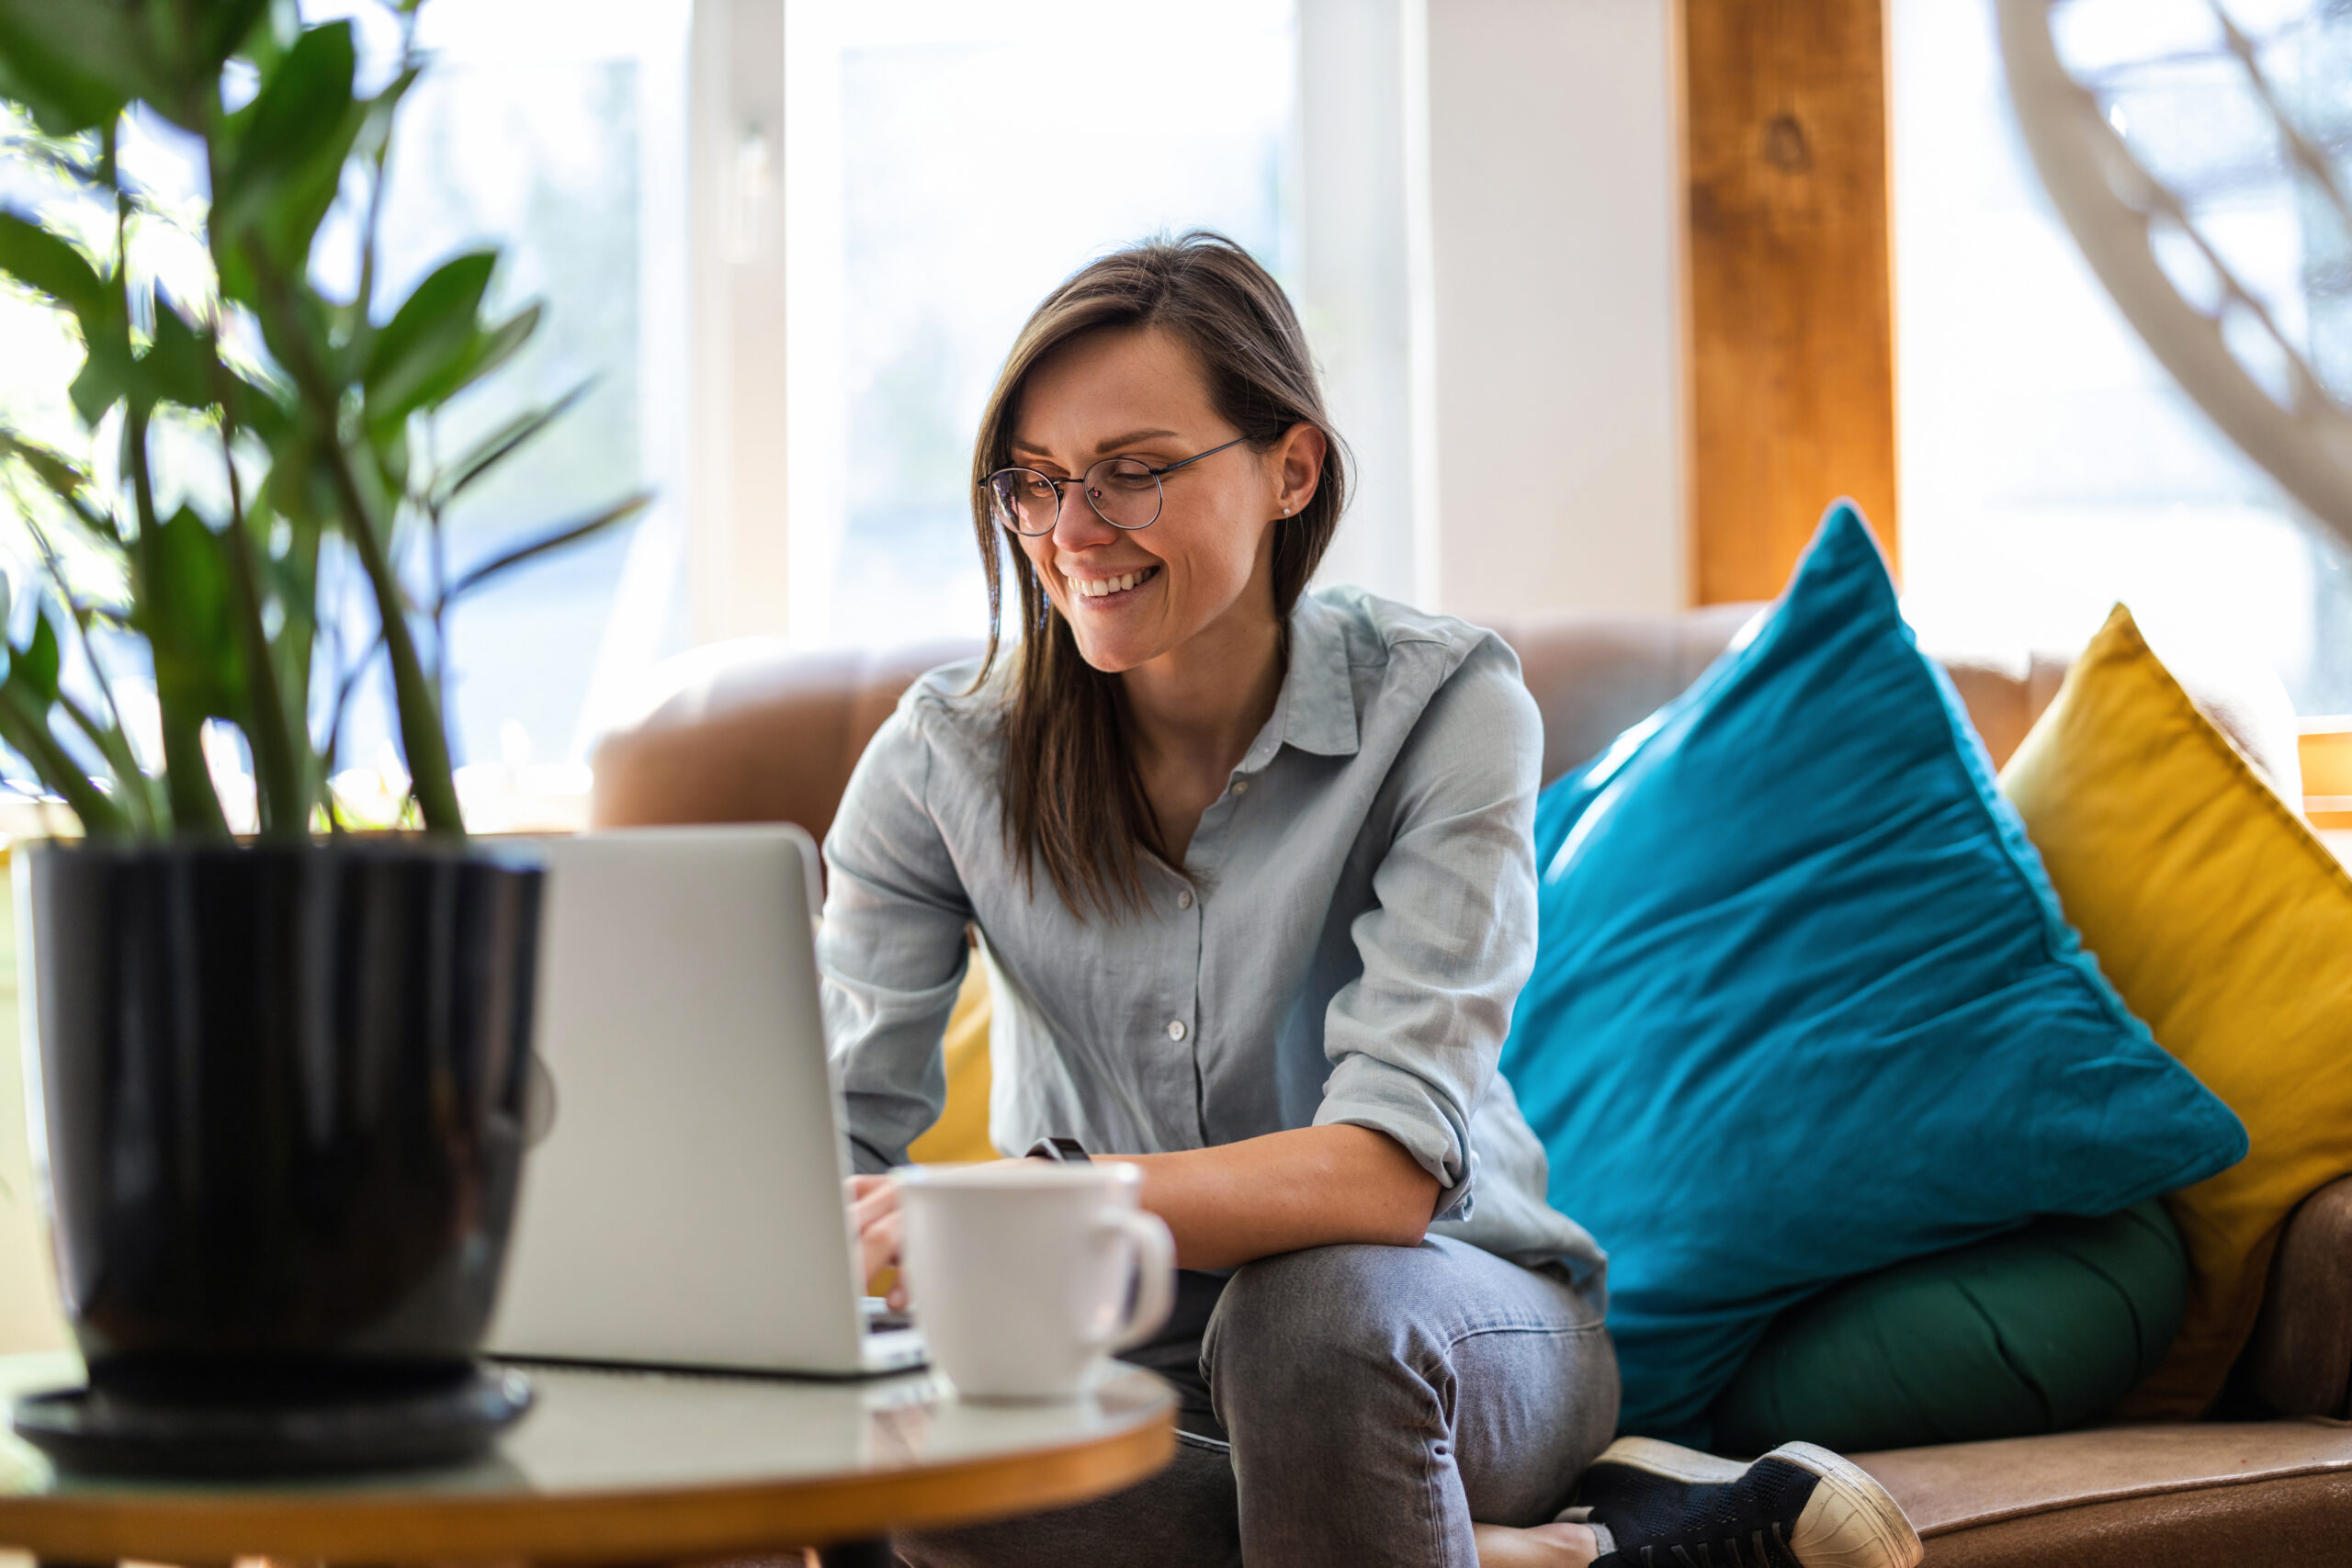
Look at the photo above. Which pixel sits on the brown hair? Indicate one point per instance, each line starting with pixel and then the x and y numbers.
pixel 1072 795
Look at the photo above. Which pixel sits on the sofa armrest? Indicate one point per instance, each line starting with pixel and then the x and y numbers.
pixel 751 731
pixel 2301 1356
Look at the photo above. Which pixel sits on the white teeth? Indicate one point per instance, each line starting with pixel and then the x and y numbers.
pixel 1104 587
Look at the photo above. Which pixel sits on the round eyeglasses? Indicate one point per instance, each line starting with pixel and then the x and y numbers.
pixel 1123 491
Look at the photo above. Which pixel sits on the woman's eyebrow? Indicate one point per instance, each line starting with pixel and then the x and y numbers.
pixel 1130 439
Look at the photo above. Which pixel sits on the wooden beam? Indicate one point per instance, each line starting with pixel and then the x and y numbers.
pixel 1792 361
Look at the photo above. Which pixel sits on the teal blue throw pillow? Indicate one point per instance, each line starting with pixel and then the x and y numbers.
pixel 1803 1003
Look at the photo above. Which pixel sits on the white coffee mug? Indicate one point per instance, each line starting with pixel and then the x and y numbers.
pixel 1019 1272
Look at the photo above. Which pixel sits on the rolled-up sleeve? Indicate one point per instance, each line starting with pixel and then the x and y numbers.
pixel 1413 1041
pixel 892 949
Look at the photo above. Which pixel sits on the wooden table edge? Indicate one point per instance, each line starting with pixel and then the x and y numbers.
pixel 644 1525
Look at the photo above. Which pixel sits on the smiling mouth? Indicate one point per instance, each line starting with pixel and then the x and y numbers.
pixel 1104 590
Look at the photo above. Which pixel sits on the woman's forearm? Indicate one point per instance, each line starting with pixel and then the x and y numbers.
pixel 1310 1187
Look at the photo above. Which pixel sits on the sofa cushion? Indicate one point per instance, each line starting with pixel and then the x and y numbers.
pixel 2300 1362
pixel 2225 924
pixel 1804 1006
pixel 2211 1495
pixel 2040 1330
pixel 961 1131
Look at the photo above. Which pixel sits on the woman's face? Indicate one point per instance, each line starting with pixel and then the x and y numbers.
pixel 1208 559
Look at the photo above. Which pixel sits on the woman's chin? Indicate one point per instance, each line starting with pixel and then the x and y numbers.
pixel 1113 655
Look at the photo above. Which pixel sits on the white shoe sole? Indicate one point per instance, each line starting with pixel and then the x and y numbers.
pixel 1848 1522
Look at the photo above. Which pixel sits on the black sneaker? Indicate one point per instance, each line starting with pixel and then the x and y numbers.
pixel 1655 1505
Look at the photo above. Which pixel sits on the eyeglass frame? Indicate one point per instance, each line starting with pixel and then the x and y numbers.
pixel 1157 474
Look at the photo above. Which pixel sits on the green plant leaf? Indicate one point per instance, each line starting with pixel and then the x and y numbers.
pixel 23 729
pixel 306 331
pixel 501 343
pixel 74 64
pixel 60 473
pixel 281 156
pixel 557 539
pixel 38 259
pixel 179 365
pixel 133 789
pixel 33 669
pixel 429 342
pixel 504 443
pixel 376 132
pixel 224 28
pixel 184 607
pixel 483 354
pixel 273 35
pixel 106 376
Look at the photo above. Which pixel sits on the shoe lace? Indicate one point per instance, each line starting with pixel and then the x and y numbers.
pixel 1682 1556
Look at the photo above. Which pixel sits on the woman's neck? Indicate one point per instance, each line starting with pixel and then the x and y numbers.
pixel 1193 712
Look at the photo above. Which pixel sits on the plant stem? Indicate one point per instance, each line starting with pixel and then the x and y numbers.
pixel 285 811
pixel 431 778
pixel 30 738
pixel 187 777
pixel 114 744
pixel 135 787
pixel 366 295
pixel 137 813
pixel 438 540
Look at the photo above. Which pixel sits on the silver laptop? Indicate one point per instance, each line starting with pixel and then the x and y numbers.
pixel 684 1206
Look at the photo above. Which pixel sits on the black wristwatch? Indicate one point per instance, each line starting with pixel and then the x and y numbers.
pixel 1067 1151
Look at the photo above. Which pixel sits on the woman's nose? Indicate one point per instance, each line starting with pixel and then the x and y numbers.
pixel 1080 526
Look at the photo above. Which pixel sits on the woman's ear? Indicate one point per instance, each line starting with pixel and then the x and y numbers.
pixel 1300 455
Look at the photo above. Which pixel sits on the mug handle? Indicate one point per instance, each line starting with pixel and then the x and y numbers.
pixel 1156 1275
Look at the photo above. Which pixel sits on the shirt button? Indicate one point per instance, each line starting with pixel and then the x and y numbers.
pixel 1175 1028
pixel 1241 786
pixel 1185 899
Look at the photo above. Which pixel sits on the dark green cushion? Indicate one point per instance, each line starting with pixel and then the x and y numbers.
pixel 2041 1329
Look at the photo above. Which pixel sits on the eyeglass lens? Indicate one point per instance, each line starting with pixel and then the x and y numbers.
pixel 1122 491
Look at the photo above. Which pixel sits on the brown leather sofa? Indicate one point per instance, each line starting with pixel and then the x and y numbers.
pixel 752 732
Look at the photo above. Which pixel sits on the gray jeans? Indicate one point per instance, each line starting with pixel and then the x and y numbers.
pixel 1366 1403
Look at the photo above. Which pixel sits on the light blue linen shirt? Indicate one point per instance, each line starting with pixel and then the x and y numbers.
pixel 1353 920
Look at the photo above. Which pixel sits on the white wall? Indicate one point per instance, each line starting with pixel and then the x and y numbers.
pixel 1533 143
pixel 740 582
pixel 30 1318
pixel 1356 285
pixel 1553 196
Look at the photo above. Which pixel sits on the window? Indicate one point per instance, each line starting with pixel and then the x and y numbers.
pixel 940 168
pixel 946 167
pixel 2049 465
pixel 556 129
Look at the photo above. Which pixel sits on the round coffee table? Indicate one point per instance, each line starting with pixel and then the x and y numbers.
pixel 622 1466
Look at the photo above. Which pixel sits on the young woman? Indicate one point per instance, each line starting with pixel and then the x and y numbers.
pixel 1254 870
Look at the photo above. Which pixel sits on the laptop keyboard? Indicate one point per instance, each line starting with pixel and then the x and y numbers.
pixel 880 1318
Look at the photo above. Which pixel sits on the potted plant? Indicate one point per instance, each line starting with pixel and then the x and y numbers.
pixel 280 1073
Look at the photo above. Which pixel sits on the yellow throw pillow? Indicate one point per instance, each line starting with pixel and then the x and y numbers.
pixel 961 1131
pixel 2227 927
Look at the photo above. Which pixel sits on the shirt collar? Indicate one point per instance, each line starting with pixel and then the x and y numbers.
pixel 1315 710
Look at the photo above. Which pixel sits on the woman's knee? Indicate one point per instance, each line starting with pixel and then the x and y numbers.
pixel 1324 1325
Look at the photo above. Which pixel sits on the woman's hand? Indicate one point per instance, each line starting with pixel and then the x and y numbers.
pixel 873 1209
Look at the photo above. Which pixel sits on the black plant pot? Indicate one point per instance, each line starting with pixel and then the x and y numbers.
pixel 283 1094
